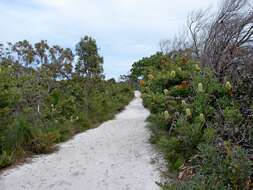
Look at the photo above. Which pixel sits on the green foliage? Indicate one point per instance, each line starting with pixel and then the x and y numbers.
pixel 155 102
pixel 232 167
pixel 44 101
pixel 178 91
pixel 89 61
pixel 5 159
pixel 191 114
pixel 233 115
pixel 219 170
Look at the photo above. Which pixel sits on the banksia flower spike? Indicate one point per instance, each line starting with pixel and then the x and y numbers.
pixel 200 87
pixel 197 67
pixel 173 74
pixel 229 87
pixel 202 117
pixel 184 103
pixel 166 91
pixel 166 115
pixel 71 119
pixel 188 112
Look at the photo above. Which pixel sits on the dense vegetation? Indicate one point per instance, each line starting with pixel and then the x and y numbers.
pixel 196 122
pixel 201 104
pixel 47 94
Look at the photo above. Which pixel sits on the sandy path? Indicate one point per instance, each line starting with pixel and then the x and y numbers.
pixel 114 156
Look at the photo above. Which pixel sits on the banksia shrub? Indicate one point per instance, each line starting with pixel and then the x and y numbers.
pixel 193 114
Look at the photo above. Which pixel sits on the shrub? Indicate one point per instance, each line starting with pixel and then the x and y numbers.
pixel 192 113
pixel 33 119
pixel 233 115
pixel 44 100
pixel 5 159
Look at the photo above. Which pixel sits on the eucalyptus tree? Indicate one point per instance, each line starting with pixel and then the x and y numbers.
pixel 41 50
pixel 25 52
pixel 90 63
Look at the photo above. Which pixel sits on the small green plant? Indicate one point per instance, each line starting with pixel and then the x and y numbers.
pixel 233 115
pixel 6 159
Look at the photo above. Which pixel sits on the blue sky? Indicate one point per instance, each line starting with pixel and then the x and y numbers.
pixel 125 30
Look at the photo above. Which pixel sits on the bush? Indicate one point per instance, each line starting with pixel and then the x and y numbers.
pixel 5 159
pixel 35 116
pixel 192 113
pixel 233 115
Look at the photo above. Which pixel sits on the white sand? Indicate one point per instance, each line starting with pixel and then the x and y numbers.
pixel 114 156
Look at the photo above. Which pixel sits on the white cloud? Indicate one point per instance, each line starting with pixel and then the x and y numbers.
pixel 124 29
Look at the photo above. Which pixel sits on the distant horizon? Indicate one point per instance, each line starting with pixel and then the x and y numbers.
pixel 125 31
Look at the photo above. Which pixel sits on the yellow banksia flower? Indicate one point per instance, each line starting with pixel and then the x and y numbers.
pixel 166 91
pixel 202 117
pixel 229 88
pixel 173 74
pixel 228 85
pixel 200 87
pixel 197 67
pixel 71 119
pixel 166 115
pixel 188 112
pixel 184 103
